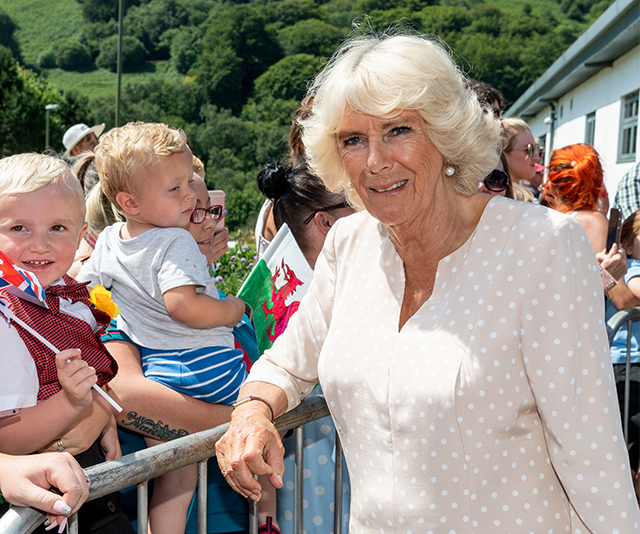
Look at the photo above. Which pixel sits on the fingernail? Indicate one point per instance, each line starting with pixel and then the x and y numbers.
pixel 62 508
pixel 63 524
pixel 224 212
pixel 51 525
pixel 254 497
pixel 280 479
pixel 68 361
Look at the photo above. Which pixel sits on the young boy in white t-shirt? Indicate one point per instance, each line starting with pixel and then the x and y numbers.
pixel 169 305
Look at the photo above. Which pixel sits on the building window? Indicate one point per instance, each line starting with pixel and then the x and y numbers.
pixel 590 129
pixel 628 128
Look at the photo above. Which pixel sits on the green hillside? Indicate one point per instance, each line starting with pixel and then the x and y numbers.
pixel 232 73
pixel 42 22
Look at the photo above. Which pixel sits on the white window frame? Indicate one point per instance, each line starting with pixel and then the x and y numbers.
pixel 590 128
pixel 628 138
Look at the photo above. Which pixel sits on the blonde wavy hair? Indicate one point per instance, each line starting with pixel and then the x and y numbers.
pixel 385 75
pixel 27 173
pixel 123 152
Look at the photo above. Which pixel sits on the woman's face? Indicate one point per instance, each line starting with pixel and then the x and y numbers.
pixel 203 232
pixel 521 166
pixel 393 166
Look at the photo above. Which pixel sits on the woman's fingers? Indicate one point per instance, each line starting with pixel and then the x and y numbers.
pixel 248 449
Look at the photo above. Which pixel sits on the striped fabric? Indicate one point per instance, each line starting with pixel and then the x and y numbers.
pixel 211 374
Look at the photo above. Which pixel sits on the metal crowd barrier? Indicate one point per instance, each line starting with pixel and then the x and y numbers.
pixel 139 467
pixel 613 325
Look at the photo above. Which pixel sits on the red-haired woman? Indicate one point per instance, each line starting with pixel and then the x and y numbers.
pixel 574 185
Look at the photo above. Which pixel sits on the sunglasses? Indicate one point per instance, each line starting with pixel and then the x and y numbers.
pixel 496 181
pixel 200 214
pixel 532 150
pixel 328 208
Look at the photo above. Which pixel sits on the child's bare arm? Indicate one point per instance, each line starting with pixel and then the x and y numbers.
pixel 37 426
pixel 109 440
pixel 198 310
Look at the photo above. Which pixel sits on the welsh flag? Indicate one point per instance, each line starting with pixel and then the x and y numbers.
pixel 276 286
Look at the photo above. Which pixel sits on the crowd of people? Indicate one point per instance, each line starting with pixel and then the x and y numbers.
pixel 455 323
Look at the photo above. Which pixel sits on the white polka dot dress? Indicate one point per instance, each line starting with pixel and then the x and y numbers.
pixel 494 408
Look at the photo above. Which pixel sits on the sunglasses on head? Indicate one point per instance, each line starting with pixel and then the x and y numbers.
pixel 200 214
pixel 496 181
pixel 328 208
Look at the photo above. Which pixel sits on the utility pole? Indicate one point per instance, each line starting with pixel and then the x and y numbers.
pixel 120 17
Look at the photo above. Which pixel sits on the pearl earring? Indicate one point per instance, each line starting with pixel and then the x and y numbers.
pixel 449 171
pixel 349 186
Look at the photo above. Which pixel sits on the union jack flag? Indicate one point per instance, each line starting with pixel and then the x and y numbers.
pixel 21 283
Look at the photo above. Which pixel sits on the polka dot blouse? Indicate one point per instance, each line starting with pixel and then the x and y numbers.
pixel 493 409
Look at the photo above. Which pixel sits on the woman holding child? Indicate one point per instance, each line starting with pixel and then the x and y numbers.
pixel 458 337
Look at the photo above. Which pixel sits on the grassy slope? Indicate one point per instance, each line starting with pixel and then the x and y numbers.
pixel 43 21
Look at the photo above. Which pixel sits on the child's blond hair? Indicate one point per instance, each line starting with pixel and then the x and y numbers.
pixel 198 166
pixel 27 173
pixel 123 152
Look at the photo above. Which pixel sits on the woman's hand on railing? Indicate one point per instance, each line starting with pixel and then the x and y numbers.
pixel 25 481
pixel 251 446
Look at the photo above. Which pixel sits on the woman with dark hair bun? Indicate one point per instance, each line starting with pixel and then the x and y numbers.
pixel 300 199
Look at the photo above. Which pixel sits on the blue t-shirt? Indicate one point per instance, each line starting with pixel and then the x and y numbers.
pixel 619 344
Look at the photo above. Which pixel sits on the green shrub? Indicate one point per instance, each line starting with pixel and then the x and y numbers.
pixel 71 55
pixel 133 54
pixel 47 60
pixel 234 267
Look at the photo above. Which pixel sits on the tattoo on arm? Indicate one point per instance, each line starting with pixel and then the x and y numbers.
pixel 148 426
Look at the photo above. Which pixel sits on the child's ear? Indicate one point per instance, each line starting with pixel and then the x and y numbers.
pixel 82 233
pixel 127 203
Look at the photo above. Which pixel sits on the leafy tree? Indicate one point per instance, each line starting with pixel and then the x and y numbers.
pixel 133 54
pixel 23 97
pixel 236 48
pixel 185 47
pixel 288 12
pixel 92 34
pixel 311 36
pixel 288 78
pixel 443 20
pixel 71 55
pixel 148 23
pixel 103 11
pixel 7 29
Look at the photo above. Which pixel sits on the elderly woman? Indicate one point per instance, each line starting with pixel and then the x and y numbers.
pixel 458 338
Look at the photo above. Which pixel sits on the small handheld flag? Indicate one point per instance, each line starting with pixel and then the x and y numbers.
pixel 21 283
pixel 26 285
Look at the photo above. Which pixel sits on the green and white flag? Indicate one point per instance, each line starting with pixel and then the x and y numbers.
pixel 275 287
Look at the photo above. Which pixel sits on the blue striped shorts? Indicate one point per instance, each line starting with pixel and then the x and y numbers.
pixel 211 374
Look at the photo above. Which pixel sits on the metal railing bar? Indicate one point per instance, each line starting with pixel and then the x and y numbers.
pixel 202 497
pixel 137 468
pixel 627 383
pixel 337 498
pixel 72 525
pixel 143 508
pixel 299 478
pixel 253 514
pixel 613 325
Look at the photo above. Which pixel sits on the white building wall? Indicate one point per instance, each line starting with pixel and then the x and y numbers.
pixel 601 94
